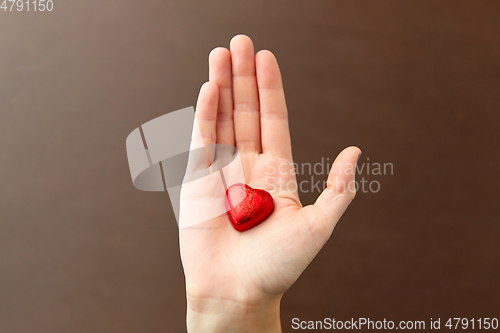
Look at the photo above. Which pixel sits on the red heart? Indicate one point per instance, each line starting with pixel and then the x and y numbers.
pixel 247 207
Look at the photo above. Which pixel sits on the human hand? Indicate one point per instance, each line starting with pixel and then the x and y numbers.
pixel 235 280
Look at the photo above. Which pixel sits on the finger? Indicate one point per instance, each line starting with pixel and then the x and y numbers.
pixel 245 95
pixel 203 137
pixel 206 112
pixel 220 74
pixel 340 191
pixel 273 112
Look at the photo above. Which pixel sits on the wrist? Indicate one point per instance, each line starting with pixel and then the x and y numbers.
pixel 229 316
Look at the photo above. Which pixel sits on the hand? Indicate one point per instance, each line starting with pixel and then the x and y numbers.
pixel 235 280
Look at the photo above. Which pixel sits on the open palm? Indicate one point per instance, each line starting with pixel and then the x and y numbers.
pixel 243 105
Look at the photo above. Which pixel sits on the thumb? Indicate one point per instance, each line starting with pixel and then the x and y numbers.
pixel 341 188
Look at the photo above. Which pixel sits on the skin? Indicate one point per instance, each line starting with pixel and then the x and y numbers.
pixel 235 280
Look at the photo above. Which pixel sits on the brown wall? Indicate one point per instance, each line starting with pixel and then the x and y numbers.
pixel 412 83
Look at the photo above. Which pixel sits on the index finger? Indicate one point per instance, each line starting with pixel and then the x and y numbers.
pixel 273 111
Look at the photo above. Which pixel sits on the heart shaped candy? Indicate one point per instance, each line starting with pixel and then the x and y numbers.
pixel 247 207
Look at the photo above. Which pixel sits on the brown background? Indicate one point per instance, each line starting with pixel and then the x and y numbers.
pixel 412 83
